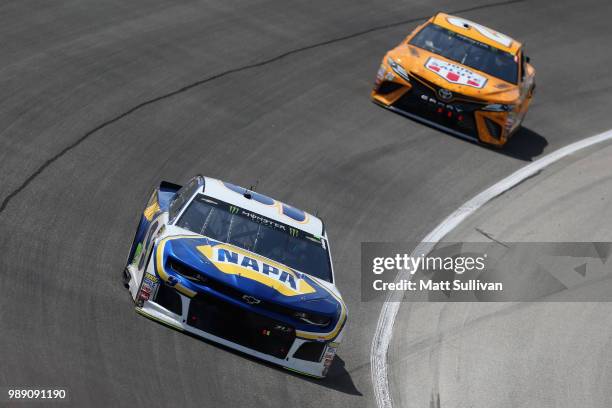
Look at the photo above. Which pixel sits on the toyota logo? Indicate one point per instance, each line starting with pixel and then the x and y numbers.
pixel 445 94
pixel 250 299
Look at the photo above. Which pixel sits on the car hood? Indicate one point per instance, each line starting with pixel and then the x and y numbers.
pixel 455 77
pixel 235 269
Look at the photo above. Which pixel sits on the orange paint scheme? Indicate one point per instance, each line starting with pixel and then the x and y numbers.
pixel 457 98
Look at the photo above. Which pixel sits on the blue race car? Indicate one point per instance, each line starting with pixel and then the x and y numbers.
pixel 241 269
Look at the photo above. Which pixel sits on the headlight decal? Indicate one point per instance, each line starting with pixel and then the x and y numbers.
pixel 398 69
pixel 498 107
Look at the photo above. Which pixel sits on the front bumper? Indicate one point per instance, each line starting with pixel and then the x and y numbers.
pixel 247 332
pixel 418 100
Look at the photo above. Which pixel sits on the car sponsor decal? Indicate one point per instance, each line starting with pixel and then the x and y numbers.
pixel 151 279
pixel 288 211
pixel 455 74
pixel 235 261
pixel 328 358
pixel 236 268
pixel 487 32
pixel 148 288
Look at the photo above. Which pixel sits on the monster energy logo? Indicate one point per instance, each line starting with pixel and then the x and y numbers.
pixel 294 232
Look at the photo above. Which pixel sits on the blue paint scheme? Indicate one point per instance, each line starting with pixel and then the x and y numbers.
pixel 143 225
pixel 320 302
pixel 294 213
pixel 165 194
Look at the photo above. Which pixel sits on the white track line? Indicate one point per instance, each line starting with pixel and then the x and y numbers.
pixel 384 328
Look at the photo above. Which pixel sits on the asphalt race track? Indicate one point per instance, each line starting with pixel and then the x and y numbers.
pixel 99 101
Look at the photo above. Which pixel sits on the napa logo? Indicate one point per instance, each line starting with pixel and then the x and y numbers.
pixel 235 261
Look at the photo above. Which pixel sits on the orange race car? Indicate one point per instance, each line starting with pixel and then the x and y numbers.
pixel 460 77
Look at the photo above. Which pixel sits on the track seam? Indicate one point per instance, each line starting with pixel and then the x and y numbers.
pixel 200 82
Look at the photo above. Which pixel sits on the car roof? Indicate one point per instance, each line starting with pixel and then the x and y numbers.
pixel 263 205
pixel 477 32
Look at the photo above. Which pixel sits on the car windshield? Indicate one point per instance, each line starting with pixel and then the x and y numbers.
pixel 466 51
pixel 274 240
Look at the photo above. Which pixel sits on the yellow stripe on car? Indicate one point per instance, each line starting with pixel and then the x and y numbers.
pixel 235 269
pixel 332 334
